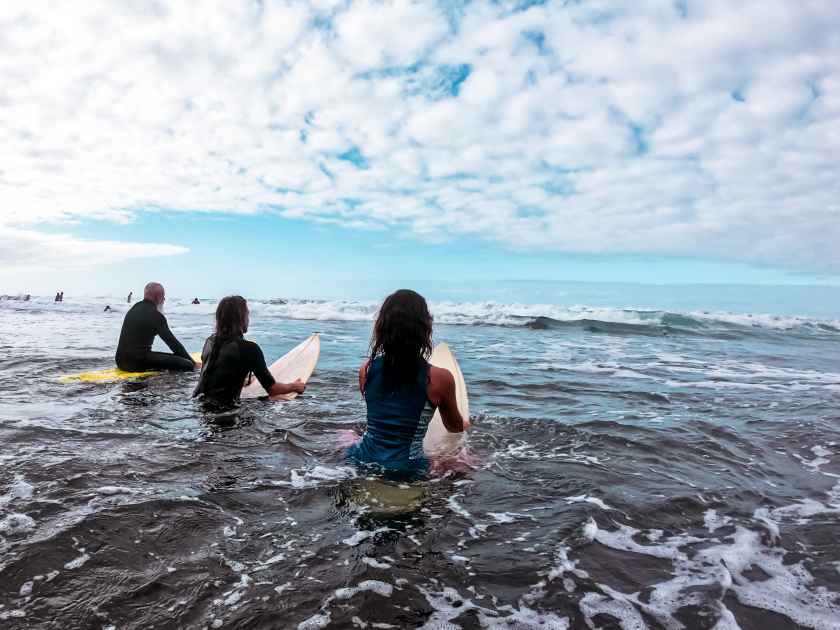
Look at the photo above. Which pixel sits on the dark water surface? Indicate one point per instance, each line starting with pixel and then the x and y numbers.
pixel 632 470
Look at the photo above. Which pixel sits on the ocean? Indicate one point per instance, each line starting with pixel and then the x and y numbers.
pixel 668 467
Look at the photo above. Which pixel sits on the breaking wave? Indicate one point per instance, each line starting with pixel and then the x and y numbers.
pixel 613 321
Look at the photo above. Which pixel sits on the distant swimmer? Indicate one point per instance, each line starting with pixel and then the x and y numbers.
pixel 57 297
pixel 128 299
pixel 195 301
pixel 143 322
pixel 108 308
pixel 402 390
pixel 228 358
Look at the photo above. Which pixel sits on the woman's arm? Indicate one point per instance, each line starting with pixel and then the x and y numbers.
pixel 363 376
pixel 256 361
pixel 441 392
pixel 278 389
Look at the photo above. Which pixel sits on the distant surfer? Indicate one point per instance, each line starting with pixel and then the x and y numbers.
pixel 228 359
pixel 107 308
pixel 128 299
pixel 402 390
pixel 195 301
pixel 61 296
pixel 143 322
pixel 57 297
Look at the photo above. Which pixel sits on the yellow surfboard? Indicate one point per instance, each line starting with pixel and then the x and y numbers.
pixel 112 375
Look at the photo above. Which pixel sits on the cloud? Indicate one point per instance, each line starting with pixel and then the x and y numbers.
pixel 28 250
pixel 702 128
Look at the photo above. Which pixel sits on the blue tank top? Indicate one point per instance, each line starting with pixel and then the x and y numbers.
pixel 396 425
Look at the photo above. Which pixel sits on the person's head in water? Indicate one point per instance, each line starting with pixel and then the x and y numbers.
pixel 231 317
pixel 402 336
pixel 154 293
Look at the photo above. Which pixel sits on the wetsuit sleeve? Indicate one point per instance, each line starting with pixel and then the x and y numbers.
pixel 206 350
pixel 170 340
pixel 256 364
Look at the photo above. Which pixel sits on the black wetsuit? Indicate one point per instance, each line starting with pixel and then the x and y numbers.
pixel 223 375
pixel 141 325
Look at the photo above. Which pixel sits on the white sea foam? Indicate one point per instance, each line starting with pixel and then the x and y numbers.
pixel 363 535
pixel 264 564
pixel 311 478
pixel 820 458
pixel 75 563
pixel 376 564
pixel 508 517
pixel 12 614
pixel 714 521
pixel 583 498
pixel 16 523
pixel 315 622
pixel 502 314
pixel 375 586
pixel 18 489
pixel 784 587
pixel 111 490
pixel 457 507
pixel 629 618
pixel 448 604
pixel 807 507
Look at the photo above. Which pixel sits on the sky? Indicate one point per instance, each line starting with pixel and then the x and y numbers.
pixel 342 149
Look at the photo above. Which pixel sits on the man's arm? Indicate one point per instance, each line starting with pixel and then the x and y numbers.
pixel 170 340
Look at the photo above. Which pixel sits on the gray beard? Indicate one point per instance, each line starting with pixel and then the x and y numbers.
pixel 160 308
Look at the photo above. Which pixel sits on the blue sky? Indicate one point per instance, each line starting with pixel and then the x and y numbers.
pixel 471 150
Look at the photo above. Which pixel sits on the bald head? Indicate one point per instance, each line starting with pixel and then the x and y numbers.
pixel 154 293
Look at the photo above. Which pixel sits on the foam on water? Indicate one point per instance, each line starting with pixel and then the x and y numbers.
pixel 729 562
pixel 448 604
pixel 583 498
pixel 16 523
pixel 463 313
pixel 316 476
pixel 315 622
pixel 77 562
pixel 18 489
pixel 374 586
pixel 724 500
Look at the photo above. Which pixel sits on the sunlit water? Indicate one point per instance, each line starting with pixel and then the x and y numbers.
pixel 631 469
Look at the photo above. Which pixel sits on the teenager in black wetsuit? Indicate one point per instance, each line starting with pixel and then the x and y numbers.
pixel 228 358
pixel 143 322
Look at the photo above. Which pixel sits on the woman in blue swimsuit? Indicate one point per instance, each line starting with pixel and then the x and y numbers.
pixel 402 390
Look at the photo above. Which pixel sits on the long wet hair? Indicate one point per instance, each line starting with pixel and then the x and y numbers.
pixel 402 336
pixel 231 322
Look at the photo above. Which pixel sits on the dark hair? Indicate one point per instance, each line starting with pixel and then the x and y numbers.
pixel 402 336
pixel 231 317
pixel 231 322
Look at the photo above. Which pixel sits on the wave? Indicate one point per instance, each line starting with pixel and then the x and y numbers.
pixel 610 321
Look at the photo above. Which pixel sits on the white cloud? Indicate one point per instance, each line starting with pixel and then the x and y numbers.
pixel 28 250
pixel 597 126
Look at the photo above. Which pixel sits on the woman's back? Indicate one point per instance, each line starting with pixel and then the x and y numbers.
pixel 397 419
pixel 223 375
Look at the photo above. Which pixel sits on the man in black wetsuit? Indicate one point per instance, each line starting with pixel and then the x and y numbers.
pixel 143 322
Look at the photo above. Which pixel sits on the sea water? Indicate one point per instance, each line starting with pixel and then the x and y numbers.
pixel 663 466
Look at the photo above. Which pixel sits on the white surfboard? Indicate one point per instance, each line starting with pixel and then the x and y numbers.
pixel 439 442
pixel 297 363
